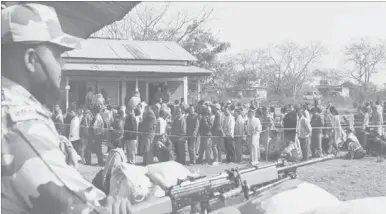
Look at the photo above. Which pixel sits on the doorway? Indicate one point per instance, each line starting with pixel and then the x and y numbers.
pixel 153 89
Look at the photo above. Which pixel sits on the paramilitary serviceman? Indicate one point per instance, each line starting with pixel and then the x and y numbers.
pixel 35 175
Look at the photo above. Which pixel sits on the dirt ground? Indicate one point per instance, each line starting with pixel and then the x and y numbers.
pixel 346 179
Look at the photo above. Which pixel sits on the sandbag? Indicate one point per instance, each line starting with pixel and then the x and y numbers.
pixel 131 181
pixel 290 197
pixel 373 205
pixel 166 174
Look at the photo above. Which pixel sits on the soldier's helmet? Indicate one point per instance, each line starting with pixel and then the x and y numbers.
pixel 34 23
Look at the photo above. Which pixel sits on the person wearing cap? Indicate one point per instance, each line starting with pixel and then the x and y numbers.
pixel 37 173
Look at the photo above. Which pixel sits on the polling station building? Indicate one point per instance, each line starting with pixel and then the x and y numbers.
pixel 120 67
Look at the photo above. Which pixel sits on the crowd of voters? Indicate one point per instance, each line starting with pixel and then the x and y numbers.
pixel 202 133
pixel 38 174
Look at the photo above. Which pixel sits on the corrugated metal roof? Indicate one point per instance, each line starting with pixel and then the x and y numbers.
pixel 137 68
pixel 136 50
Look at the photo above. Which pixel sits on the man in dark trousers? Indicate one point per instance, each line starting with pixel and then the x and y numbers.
pixel 130 135
pixel 192 125
pixel 205 130
pixel 178 132
pixel 317 123
pixel 218 134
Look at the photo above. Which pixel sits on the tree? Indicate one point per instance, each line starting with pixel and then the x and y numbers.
pixel 153 22
pixel 365 58
pixel 146 22
pixel 205 47
pixel 288 66
pixel 250 65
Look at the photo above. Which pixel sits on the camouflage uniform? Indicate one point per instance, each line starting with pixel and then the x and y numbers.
pixel 35 176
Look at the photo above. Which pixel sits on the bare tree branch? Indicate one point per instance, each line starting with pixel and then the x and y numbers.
pixel 365 58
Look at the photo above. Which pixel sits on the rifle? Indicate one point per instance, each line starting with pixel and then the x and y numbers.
pixel 208 193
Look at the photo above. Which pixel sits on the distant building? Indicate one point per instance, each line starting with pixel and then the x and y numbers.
pixel 236 93
pixel 328 90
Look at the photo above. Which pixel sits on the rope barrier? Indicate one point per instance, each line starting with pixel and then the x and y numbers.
pixel 245 135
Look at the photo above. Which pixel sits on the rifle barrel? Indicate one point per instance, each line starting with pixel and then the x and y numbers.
pixel 305 163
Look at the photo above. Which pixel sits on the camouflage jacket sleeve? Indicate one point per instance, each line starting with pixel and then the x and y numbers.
pixel 36 178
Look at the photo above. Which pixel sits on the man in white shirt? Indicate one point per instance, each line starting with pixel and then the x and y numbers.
pixel 74 131
pixel 239 133
pixel 377 118
pixel 229 130
pixel 253 135
pixel 108 118
pixel 303 130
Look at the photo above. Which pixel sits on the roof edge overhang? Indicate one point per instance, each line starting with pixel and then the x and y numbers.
pixel 148 74
pixel 129 69
pixel 68 59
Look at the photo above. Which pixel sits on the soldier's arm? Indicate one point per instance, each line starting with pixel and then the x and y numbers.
pixel 37 177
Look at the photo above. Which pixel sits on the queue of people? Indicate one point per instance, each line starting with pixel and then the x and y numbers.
pixel 207 132
pixel 203 133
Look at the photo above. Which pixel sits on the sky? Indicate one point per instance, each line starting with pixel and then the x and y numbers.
pixel 248 25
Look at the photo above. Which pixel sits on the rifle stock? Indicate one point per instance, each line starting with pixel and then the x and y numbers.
pixel 212 192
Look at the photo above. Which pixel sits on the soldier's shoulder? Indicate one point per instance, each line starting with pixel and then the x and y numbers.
pixel 19 105
pixel 19 109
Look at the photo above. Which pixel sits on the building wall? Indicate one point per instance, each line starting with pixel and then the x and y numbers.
pixel 118 87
